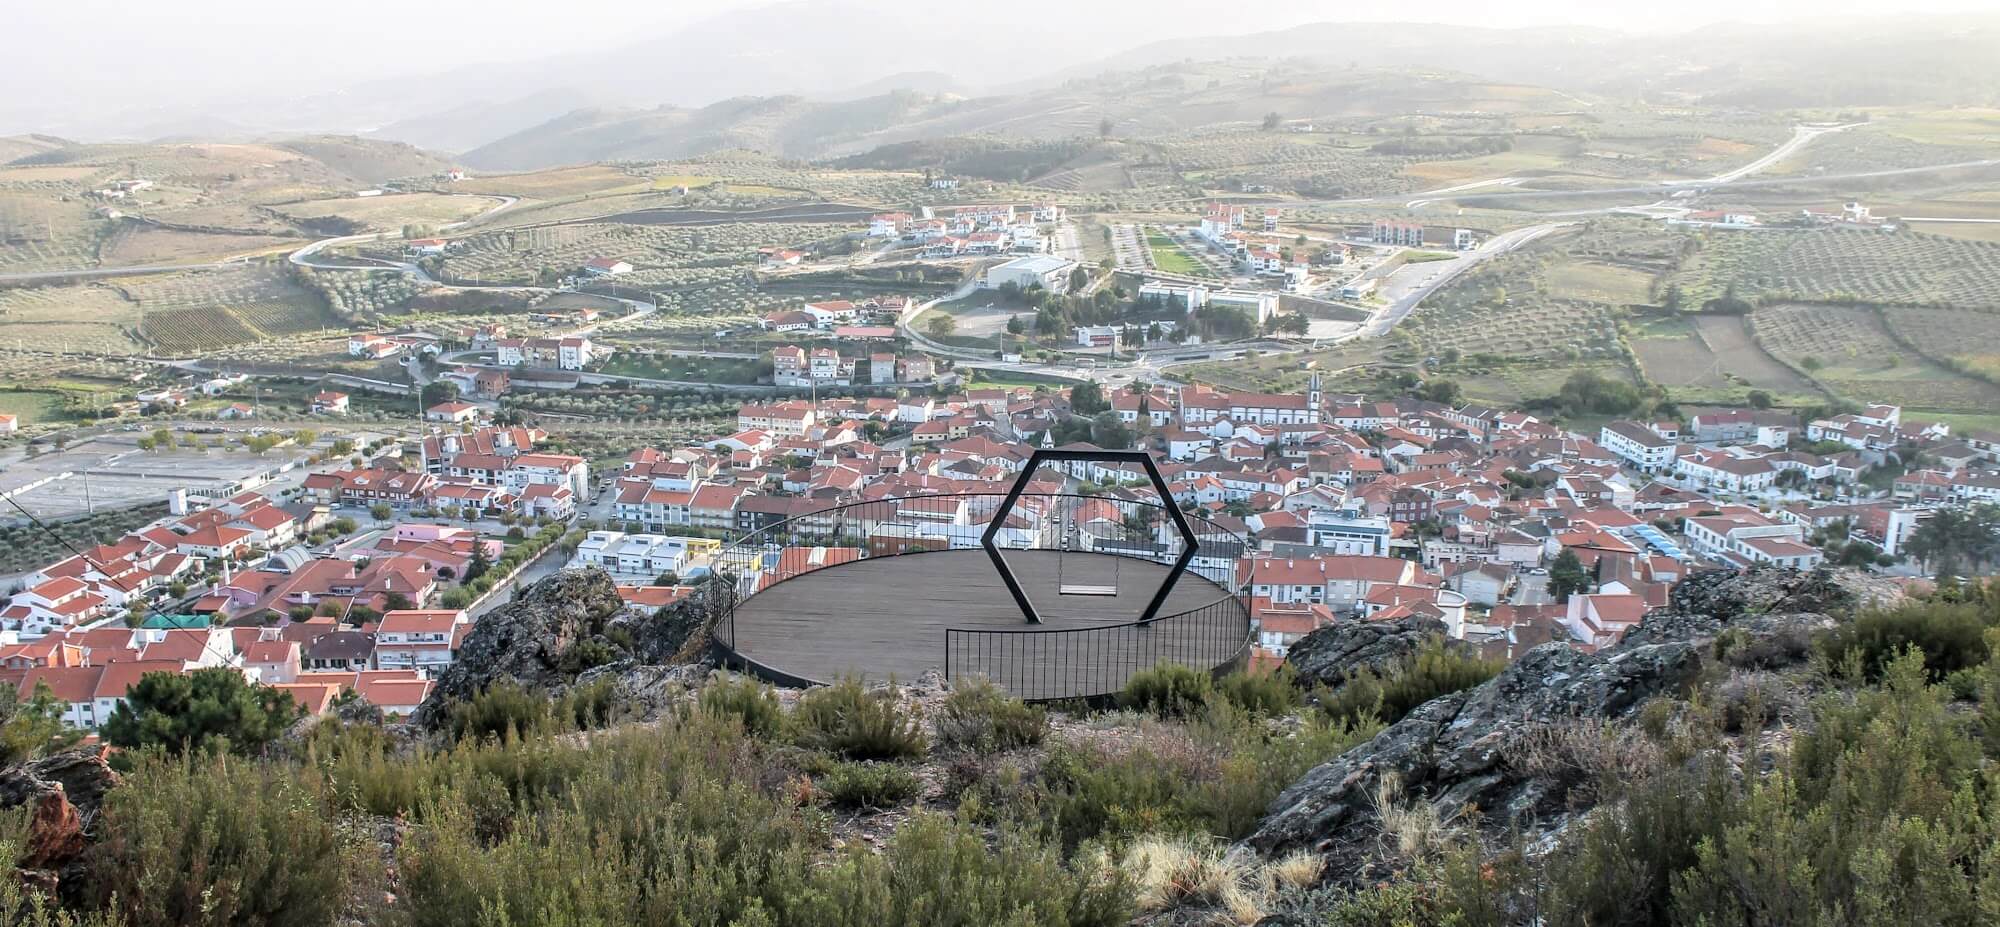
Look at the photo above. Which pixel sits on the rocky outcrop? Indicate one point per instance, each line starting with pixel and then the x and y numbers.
pixel 1454 751
pixel 1476 748
pixel 1333 654
pixel 559 629
pixel 64 792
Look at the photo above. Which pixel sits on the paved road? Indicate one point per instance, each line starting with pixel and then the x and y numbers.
pixel 1408 286
pixel 1801 136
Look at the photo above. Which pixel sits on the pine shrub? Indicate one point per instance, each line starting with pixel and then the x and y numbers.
pixel 849 720
pixel 978 715
pixel 1168 690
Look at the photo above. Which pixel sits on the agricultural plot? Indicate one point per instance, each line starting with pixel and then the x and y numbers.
pixel 1848 349
pixel 88 318
pixel 664 255
pixel 1591 281
pixel 34 406
pixel 553 184
pixel 193 312
pixel 41 231
pixel 1888 146
pixel 392 211
pixel 138 243
pixel 1308 164
pixel 1712 359
pixel 1969 338
pixel 192 331
pixel 1881 267
pixel 1494 310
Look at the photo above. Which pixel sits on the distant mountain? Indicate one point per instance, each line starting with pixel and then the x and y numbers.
pixel 13 147
pixel 1159 100
pixel 475 124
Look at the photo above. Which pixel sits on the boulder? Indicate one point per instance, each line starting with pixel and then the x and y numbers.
pixel 63 791
pixel 568 624
pixel 1454 751
pixel 1329 656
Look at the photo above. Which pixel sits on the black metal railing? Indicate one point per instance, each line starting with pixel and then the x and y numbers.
pixel 1034 663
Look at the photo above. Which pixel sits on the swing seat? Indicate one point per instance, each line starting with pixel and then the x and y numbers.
pixel 1085 589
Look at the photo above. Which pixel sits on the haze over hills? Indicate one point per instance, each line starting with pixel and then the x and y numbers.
pixel 847 52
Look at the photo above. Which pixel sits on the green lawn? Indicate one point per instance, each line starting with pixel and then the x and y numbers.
pixel 1168 257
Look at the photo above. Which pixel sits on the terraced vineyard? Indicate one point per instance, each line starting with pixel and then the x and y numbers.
pixel 87 318
pixel 1840 264
pixel 663 255
pixel 1970 337
pixel 191 331
pixel 1848 349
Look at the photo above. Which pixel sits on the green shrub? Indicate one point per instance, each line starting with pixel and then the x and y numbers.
pixel 504 709
pixel 222 842
pixel 869 785
pixel 1433 671
pixel 750 702
pixel 1262 694
pixel 1168 690
pixel 849 720
pixel 979 715
pixel 1952 637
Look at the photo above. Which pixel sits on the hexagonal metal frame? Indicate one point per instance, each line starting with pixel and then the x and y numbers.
pixel 1057 455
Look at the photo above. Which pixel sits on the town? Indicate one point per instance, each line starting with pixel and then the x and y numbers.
pixel 1512 532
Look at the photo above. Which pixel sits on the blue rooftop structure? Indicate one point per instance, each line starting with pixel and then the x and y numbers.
pixel 1659 540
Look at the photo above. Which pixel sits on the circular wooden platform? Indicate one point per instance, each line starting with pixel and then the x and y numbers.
pixel 887 616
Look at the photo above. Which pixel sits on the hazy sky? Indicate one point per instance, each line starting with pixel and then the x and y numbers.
pixel 92 58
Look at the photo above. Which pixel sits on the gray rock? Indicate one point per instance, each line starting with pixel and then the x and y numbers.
pixel 561 627
pixel 1329 656
pixel 1453 750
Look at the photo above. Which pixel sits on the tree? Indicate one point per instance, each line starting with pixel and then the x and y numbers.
pixel 478 565
pixel 1958 541
pixel 941 325
pixel 33 727
pixel 1672 299
pixel 1078 279
pixel 207 709
pixel 1445 392
pixel 1107 431
pixel 1016 326
pixel 1087 398
pixel 1104 127
pixel 1760 399
pixel 1567 576
pixel 1273 120
pixel 380 511
pixel 438 391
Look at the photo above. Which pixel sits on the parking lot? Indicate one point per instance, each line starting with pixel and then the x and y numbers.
pixel 110 472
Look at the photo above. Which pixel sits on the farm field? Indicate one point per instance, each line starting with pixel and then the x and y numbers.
pixel 34 406
pixel 136 243
pixel 1600 283
pixel 193 312
pixel 1534 153
pixel 1887 267
pixel 1711 358
pixel 1970 337
pixel 553 184
pixel 1848 349
pixel 44 233
pixel 393 211
pixel 93 318
pixel 663 255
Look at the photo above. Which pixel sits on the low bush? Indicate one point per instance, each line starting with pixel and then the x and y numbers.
pixel 222 842
pixel 1952 637
pixel 869 785
pixel 750 702
pixel 1433 671
pixel 849 720
pixel 978 715
pixel 1260 693
pixel 1168 690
